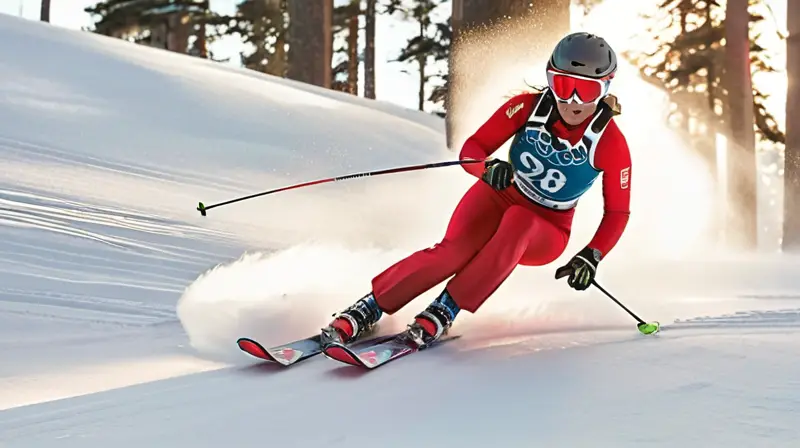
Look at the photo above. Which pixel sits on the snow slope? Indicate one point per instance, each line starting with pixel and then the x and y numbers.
pixel 120 305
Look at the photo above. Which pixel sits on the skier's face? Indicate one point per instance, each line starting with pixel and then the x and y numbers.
pixel 574 114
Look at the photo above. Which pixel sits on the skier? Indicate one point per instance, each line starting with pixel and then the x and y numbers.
pixel 520 211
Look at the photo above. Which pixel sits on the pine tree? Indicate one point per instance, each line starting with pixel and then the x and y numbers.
pixel 430 45
pixel 346 27
pixel 440 53
pixel 262 26
pixel 689 61
pixel 175 25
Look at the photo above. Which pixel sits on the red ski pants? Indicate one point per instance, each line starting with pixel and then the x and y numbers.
pixel 489 234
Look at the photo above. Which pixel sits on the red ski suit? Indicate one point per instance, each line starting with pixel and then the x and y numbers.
pixel 491 232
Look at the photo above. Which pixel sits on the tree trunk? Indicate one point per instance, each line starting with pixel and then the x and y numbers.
pixel 310 42
pixel 741 167
pixel 369 51
pixel 711 75
pixel 45 12
pixel 278 63
pixel 177 33
pixel 201 44
pixel 791 173
pixel 491 34
pixel 352 48
pixel 421 60
pixel 421 97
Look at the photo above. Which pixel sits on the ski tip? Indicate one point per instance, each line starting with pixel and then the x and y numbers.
pixel 340 353
pixel 284 355
pixel 253 348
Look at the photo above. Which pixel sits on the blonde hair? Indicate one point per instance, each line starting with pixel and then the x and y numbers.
pixel 533 89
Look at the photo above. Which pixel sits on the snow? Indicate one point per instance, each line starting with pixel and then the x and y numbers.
pixel 120 304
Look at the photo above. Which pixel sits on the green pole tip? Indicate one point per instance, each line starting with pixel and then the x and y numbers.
pixel 202 209
pixel 649 328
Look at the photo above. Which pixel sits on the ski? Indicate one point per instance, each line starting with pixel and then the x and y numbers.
pixel 375 354
pixel 284 355
pixel 294 352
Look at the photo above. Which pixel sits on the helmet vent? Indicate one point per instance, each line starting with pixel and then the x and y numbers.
pixel 578 64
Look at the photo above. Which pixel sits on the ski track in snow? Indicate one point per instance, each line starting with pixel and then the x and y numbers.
pixel 83 283
pixel 99 242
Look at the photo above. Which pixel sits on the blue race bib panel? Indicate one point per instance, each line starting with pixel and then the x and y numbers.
pixel 549 170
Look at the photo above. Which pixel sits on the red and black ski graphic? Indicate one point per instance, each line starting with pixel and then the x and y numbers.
pixel 378 353
pixel 294 352
pixel 286 354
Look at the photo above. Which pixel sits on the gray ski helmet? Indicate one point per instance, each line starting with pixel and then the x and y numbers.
pixel 584 54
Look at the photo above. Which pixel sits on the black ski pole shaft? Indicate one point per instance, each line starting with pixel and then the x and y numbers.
pixel 618 302
pixel 202 208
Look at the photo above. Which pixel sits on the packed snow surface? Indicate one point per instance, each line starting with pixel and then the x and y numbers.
pixel 120 305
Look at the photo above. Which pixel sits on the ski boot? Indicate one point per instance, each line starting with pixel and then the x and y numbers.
pixel 434 322
pixel 354 322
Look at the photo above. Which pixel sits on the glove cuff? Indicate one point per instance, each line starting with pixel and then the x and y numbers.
pixel 591 256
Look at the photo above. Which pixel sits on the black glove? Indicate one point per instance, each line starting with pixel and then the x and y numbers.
pixel 581 268
pixel 498 174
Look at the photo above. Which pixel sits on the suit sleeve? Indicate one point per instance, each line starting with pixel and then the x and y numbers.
pixel 496 130
pixel 614 160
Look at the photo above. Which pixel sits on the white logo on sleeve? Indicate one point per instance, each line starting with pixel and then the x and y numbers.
pixel 511 111
pixel 624 178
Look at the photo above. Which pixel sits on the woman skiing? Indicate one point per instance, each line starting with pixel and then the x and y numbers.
pixel 520 211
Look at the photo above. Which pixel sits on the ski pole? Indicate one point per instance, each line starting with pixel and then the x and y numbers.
pixel 644 327
pixel 202 208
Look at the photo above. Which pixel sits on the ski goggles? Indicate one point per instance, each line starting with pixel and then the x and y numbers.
pixel 569 88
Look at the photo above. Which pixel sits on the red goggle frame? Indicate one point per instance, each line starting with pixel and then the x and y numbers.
pixel 567 87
